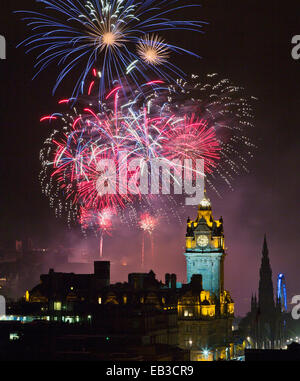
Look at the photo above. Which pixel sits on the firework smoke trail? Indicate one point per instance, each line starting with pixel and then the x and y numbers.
pixel 101 246
pixel 148 224
pixel 119 37
pixel 143 251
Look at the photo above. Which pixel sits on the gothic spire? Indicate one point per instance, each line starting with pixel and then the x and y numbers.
pixel 266 291
pixel 265 251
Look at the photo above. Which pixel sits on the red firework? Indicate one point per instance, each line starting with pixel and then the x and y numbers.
pixel 191 138
pixel 148 224
pixel 99 220
pixel 100 189
pixel 77 155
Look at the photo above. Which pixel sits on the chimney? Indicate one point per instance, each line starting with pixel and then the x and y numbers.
pixel 173 281
pixel 168 280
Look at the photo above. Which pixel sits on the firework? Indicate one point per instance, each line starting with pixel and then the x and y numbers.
pixel 119 37
pixel 71 159
pixel 99 220
pixel 93 219
pixel 147 224
pixel 73 156
pixel 228 113
pixel 153 50
pixel 191 139
pixel 209 121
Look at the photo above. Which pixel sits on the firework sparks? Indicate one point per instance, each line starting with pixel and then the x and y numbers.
pixel 192 139
pixel 101 221
pixel 106 34
pixel 192 121
pixel 228 113
pixel 148 224
pixel 153 50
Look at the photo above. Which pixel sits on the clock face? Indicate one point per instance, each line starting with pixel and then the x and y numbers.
pixel 202 240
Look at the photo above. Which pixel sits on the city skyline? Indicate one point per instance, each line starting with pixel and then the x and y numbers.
pixel 262 201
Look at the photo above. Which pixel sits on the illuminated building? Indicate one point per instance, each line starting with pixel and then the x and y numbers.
pixel 142 309
pixel 206 310
pixel 197 317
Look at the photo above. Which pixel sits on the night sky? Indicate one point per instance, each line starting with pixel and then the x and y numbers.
pixel 246 41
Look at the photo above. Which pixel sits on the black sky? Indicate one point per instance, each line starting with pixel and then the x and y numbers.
pixel 247 41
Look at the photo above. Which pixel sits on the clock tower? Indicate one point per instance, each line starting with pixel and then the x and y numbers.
pixel 205 250
pixel 205 309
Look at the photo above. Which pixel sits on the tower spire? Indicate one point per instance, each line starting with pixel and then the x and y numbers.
pixel 205 204
pixel 265 248
pixel 266 291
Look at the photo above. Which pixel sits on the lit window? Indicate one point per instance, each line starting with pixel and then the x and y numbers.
pixel 57 306
pixel 99 300
pixel 188 313
pixel 14 336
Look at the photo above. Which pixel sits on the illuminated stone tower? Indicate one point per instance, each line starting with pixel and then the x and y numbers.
pixel 205 309
pixel 205 249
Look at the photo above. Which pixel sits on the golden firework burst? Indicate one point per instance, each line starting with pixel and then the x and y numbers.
pixel 153 50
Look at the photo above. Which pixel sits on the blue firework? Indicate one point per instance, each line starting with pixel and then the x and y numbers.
pixel 109 35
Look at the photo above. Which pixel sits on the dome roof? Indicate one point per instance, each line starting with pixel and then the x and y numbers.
pixel 205 204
